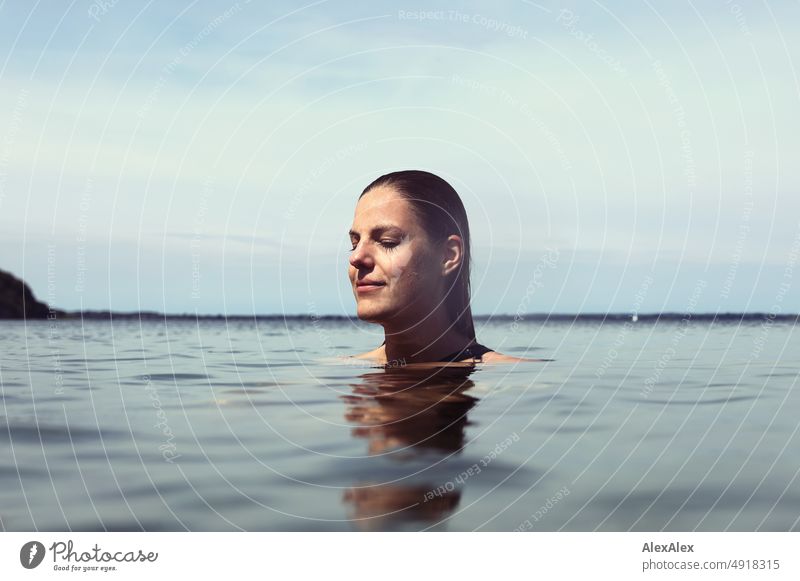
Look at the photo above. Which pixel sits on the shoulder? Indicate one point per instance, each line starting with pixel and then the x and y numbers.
pixel 377 353
pixel 495 357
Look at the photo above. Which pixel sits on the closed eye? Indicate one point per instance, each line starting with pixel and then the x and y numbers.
pixel 387 244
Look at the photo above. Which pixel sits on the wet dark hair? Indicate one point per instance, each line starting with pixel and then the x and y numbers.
pixel 439 208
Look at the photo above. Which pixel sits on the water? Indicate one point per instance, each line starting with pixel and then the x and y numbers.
pixel 247 426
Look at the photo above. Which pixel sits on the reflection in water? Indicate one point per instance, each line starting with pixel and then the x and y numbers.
pixel 412 416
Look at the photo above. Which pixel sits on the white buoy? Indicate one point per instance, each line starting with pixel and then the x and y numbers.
pixel 634 318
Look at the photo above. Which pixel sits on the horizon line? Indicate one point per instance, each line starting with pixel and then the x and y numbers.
pixel 614 315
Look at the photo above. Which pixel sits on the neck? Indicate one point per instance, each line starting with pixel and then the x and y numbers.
pixel 429 340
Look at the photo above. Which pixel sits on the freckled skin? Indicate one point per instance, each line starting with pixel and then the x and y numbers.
pixel 401 257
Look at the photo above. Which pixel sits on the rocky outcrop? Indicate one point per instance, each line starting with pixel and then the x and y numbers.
pixel 17 300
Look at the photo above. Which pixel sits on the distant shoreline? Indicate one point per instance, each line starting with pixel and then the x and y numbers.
pixel 17 302
pixel 539 317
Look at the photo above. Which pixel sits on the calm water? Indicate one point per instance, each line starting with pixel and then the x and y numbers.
pixel 240 426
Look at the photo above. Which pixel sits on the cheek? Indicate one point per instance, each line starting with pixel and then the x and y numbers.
pixel 408 269
pixel 397 267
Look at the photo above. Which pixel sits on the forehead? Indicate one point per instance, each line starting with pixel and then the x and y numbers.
pixel 382 205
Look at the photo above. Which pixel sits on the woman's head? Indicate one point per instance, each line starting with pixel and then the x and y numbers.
pixel 410 235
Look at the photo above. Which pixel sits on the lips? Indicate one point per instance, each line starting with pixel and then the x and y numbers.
pixel 368 286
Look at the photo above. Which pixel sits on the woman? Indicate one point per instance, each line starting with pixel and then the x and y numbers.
pixel 410 268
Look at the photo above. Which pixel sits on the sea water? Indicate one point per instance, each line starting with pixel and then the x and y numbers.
pixel 253 425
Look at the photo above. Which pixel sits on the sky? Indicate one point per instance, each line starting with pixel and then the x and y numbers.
pixel 206 157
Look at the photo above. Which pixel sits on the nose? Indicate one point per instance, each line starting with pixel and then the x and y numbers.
pixel 361 257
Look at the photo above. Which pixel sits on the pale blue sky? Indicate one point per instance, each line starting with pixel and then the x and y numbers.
pixel 207 156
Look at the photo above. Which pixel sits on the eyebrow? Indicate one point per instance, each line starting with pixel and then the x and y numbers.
pixel 379 229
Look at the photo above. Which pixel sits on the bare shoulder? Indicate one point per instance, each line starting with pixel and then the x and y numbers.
pixel 495 357
pixel 374 354
pixel 379 355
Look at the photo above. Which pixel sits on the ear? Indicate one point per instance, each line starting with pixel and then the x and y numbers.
pixel 453 254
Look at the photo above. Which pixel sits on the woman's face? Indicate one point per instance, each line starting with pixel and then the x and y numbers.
pixel 391 249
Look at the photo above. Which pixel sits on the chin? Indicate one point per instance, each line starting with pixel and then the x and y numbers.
pixel 369 316
pixel 370 313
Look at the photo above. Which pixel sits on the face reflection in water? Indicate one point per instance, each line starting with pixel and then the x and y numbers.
pixel 413 419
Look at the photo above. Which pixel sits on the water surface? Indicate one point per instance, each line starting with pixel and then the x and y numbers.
pixel 215 425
